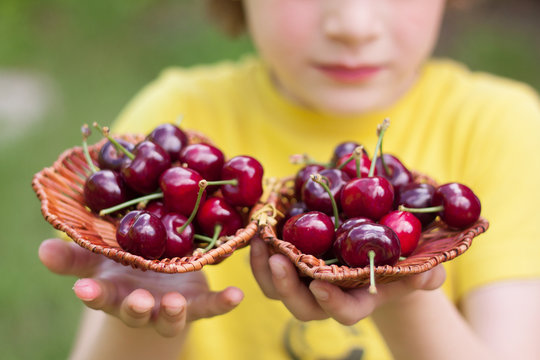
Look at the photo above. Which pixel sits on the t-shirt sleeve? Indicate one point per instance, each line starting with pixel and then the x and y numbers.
pixel 503 167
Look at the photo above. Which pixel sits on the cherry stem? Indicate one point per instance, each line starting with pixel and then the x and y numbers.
pixel 202 186
pixel 322 180
pixel 304 159
pixel 356 155
pixel 211 241
pixel 105 131
pixel 222 182
pixel 381 130
pixel 130 202
pixel 331 261
pixel 179 119
pixel 372 288
pixel 425 210
pixel 385 166
pixel 86 133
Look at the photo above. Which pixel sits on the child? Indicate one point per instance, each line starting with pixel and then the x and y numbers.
pixel 330 71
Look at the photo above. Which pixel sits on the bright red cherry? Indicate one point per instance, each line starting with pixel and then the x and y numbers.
pixel 460 206
pixel 206 159
pixel 178 244
pixel 143 172
pixel 142 233
pixel 407 227
pixel 249 173
pixel 104 189
pixel 216 211
pixel 180 187
pixel 316 197
pixel 350 165
pixel 312 232
pixel 169 137
pixel 362 239
pixel 372 197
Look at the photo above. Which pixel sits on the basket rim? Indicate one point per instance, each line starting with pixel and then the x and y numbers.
pixel 175 265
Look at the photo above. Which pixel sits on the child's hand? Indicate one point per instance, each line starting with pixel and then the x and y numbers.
pixel 279 280
pixel 163 301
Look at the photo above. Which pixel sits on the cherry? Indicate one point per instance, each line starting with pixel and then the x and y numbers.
pixel 178 244
pixel 143 172
pixel 407 227
pixel 372 196
pixel 312 232
pixel 142 233
pixel 343 149
pixel 180 187
pixel 298 207
pixel 303 175
pixel 343 229
pixel 170 138
pixel 249 174
pixel 216 211
pixel 391 168
pixel 104 189
pixel 355 165
pixel 157 208
pixel 315 196
pixel 206 159
pixel 460 206
pixel 111 158
pixel 417 196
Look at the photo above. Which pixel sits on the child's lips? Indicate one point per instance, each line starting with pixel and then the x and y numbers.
pixel 349 74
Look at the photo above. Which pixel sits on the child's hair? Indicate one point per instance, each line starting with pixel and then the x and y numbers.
pixel 229 14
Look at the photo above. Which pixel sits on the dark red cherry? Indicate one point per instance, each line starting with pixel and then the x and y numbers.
pixel 342 149
pixel 397 174
pixel 417 196
pixel 461 207
pixel 170 138
pixel 180 187
pixel 315 196
pixel 362 239
pixel 407 227
pixel 216 211
pixel 344 228
pixel 372 197
pixel 157 208
pixel 312 232
pixel 111 158
pixel 206 159
pixel 142 233
pixel 143 172
pixel 295 209
pixel 303 175
pixel 178 244
pixel 104 189
pixel 249 173
pixel 350 167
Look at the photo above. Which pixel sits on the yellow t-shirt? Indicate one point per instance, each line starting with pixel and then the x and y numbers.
pixel 453 124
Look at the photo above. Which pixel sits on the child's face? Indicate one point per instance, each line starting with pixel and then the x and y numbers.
pixel 344 56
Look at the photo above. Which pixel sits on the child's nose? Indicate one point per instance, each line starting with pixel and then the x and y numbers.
pixel 352 22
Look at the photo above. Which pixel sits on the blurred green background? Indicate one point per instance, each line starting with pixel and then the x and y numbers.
pixel 64 63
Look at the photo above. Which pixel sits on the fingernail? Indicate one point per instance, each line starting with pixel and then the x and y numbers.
pixel 173 310
pixel 320 294
pixel 278 270
pixel 84 290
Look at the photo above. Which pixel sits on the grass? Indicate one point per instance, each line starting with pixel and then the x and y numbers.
pixel 98 54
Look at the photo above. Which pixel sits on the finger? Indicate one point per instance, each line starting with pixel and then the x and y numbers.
pixel 96 294
pixel 292 292
pixel 67 258
pixel 343 306
pixel 429 280
pixel 172 314
pixel 136 308
pixel 210 303
pixel 259 255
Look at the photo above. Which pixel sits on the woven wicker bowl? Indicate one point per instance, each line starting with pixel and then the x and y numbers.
pixel 60 189
pixel 437 245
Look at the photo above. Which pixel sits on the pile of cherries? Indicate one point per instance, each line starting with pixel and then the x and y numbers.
pixel 360 212
pixel 170 195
